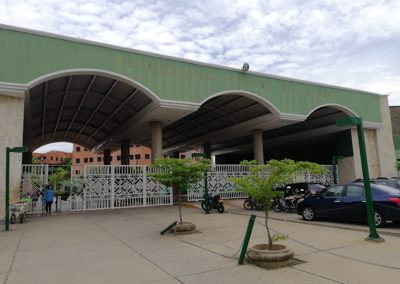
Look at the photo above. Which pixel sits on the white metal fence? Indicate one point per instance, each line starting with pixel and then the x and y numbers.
pixel 34 179
pixel 110 187
pixel 218 181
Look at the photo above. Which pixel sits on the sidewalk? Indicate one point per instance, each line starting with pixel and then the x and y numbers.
pixel 125 246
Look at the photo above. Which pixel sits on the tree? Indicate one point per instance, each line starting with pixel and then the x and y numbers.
pixel 34 159
pixel 262 180
pixel 59 176
pixel 178 174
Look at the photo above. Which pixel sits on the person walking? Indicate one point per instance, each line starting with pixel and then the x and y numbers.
pixel 48 199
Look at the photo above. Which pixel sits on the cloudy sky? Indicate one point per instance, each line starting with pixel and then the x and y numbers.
pixel 348 43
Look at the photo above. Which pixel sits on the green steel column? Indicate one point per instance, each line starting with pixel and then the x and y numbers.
pixel 107 157
pixel 27 158
pixel 373 234
pixel 125 152
pixel 334 169
pixel 207 150
pixel 206 193
pixel 7 215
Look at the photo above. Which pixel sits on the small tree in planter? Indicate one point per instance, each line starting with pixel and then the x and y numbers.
pixel 260 184
pixel 178 174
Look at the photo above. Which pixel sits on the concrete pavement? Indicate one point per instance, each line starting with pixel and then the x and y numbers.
pixel 125 246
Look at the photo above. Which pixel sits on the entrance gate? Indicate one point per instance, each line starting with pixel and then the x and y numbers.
pixel 111 187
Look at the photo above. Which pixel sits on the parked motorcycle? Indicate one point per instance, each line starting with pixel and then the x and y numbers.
pixel 250 204
pixel 286 203
pixel 215 202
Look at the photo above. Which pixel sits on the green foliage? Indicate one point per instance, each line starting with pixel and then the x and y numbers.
pixel 58 177
pixel 398 165
pixel 68 162
pixel 262 180
pixel 179 173
pixel 279 237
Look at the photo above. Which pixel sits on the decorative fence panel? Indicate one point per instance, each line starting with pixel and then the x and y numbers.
pixel 109 187
pixel 218 181
pixel 156 193
pixel 33 181
pixel 76 193
pixel 218 184
pixel 98 187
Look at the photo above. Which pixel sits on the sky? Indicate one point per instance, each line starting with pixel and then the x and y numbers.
pixel 341 42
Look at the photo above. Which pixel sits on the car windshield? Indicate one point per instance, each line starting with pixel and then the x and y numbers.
pixel 378 189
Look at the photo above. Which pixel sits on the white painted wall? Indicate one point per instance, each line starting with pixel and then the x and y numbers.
pixel 379 146
pixel 11 131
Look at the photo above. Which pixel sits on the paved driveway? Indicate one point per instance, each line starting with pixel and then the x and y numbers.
pixel 124 246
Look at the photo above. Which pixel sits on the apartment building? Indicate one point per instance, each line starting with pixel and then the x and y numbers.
pixel 51 157
pixel 138 155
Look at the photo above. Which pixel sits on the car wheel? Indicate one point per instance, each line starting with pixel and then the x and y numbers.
pixel 308 214
pixel 247 205
pixel 220 208
pixel 380 220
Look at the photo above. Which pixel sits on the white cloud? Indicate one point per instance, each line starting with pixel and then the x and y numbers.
pixel 61 146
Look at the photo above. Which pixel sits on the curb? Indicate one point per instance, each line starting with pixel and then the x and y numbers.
pixel 392 234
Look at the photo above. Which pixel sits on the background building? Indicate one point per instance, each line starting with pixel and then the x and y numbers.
pixel 51 158
pixel 138 155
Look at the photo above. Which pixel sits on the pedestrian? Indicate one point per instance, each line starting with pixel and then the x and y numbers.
pixel 48 198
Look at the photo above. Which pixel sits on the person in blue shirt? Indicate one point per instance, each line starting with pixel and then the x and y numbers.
pixel 48 198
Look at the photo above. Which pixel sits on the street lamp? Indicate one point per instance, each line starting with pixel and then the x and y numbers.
pixel 357 121
pixel 245 67
pixel 8 151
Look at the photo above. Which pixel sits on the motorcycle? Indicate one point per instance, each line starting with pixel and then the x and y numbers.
pixel 250 204
pixel 215 202
pixel 286 203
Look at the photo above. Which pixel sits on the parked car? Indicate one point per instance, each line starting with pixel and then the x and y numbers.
pixel 301 188
pixel 347 202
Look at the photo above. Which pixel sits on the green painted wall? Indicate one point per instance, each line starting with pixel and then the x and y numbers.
pixel 27 56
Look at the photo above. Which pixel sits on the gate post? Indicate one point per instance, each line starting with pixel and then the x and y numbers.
pixel 84 187
pixel 144 176
pixel 112 169
pixel 46 181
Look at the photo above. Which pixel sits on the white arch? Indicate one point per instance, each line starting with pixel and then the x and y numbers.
pixel 345 109
pixel 249 95
pixel 104 73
